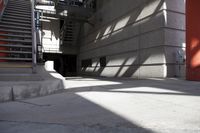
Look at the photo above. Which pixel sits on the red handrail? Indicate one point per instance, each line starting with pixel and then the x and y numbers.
pixel 2 4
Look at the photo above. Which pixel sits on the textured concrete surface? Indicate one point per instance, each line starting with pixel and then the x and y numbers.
pixel 21 86
pixel 108 106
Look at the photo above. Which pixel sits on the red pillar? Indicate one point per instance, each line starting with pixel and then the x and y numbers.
pixel 193 40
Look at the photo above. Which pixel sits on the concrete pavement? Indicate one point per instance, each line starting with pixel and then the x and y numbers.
pixel 90 105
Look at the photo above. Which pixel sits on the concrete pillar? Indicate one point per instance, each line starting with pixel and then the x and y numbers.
pixel 193 39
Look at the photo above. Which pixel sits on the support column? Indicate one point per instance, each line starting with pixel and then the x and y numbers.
pixel 193 40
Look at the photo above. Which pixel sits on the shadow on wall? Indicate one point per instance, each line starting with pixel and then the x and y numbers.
pixel 50 35
pixel 129 38
pixel 115 30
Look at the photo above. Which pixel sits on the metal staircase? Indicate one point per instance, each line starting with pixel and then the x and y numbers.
pixel 78 12
pixel 69 33
pixel 17 35
pixel 75 8
pixel 73 14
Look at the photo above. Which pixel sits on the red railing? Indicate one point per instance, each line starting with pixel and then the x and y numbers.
pixel 2 7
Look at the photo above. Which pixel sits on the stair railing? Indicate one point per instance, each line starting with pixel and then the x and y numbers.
pixel 3 4
pixel 62 33
pixel 34 44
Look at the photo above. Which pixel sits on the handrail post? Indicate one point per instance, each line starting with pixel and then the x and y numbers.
pixel 4 6
pixel 34 44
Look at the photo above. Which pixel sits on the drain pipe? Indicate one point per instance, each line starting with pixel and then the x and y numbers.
pixel 34 44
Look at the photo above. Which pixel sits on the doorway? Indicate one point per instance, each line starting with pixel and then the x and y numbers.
pixel 66 65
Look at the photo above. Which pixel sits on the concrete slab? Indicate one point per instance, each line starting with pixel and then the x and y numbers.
pixel 108 106
pixel 22 86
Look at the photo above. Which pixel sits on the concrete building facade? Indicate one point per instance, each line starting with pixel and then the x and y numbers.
pixel 134 38
pixel 130 38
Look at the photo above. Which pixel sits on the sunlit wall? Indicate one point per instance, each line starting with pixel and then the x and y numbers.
pixel 138 38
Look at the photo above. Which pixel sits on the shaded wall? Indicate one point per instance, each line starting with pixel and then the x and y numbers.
pixel 137 37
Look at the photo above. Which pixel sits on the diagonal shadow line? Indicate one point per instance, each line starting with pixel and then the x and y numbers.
pixel 118 121
pixel 174 86
pixel 155 93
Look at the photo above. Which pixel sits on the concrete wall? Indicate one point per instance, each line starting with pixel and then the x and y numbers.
pixel 175 42
pixel 50 35
pixel 51 38
pixel 140 38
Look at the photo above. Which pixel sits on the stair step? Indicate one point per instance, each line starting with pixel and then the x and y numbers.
pixel 17 12
pixel 19 1
pixel 12 5
pixel 15 52
pixel 15 59
pixel 65 40
pixel 17 15
pixel 15 65
pixel 16 45
pixel 68 39
pixel 16 31
pixel 18 5
pixel 14 17
pixel 17 24
pixel 15 20
pixel 18 8
pixel 13 35
pixel 15 27
pixel 15 40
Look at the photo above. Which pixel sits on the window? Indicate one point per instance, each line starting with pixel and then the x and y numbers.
pixel 86 63
pixel 103 61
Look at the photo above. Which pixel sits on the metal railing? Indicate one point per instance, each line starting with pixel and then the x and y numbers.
pixel 34 44
pixel 62 33
pixel 4 3
pixel 77 3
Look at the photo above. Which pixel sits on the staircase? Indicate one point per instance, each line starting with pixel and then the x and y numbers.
pixel 75 8
pixel 16 47
pixel 69 33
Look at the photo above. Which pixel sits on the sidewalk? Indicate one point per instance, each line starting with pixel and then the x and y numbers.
pixel 103 105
